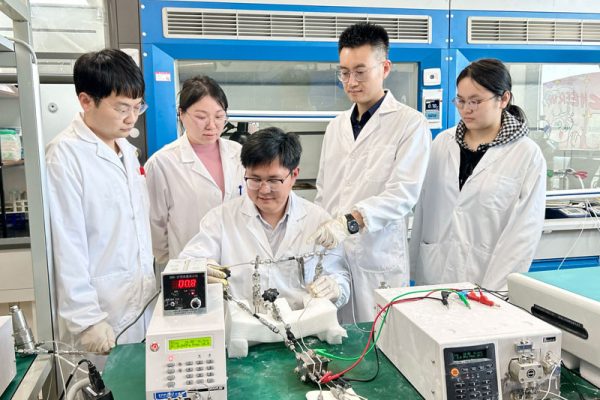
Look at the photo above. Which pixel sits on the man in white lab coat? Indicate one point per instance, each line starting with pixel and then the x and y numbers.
pixel 373 163
pixel 271 222
pixel 99 210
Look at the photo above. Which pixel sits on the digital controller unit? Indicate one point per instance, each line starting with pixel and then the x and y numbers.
pixel 184 287
pixel 481 352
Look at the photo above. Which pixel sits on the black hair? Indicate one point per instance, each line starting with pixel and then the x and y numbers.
pixel 198 87
pixel 101 73
pixel 270 144
pixel 358 35
pixel 493 75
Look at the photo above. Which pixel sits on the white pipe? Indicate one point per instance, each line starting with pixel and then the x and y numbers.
pixel 77 386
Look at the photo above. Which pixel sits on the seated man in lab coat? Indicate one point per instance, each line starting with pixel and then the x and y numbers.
pixel 271 222
pixel 99 210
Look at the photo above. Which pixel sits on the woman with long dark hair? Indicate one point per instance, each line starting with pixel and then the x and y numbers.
pixel 196 172
pixel 481 210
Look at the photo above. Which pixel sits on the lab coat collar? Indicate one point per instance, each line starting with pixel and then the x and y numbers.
pixel 292 208
pixel 454 151
pixel 295 213
pixel 389 104
pixel 492 155
pixel 102 149
pixel 189 156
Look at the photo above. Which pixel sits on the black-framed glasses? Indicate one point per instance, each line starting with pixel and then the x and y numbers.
pixel 472 104
pixel 274 184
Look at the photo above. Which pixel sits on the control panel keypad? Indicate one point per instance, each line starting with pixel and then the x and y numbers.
pixel 190 373
pixel 473 382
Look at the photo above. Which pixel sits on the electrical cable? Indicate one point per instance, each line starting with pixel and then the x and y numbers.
pixel 580 232
pixel 333 356
pixel 83 360
pixel 550 381
pixel 27 46
pixel 569 376
pixel 154 296
pixel 330 376
pixel 371 378
pixel 77 386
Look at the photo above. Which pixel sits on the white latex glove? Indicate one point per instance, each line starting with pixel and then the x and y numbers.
pixel 326 287
pixel 99 338
pixel 216 273
pixel 331 233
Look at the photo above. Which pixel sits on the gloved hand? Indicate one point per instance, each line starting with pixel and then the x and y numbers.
pixel 326 287
pixel 99 338
pixel 217 273
pixel 331 233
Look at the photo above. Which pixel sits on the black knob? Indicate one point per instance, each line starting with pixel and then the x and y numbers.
pixel 195 303
pixel 270 295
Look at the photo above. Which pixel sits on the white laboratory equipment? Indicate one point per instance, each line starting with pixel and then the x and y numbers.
pixel 483 352
pixel 570 300
pixel 184 286
pixel 7 353
pixel 185 354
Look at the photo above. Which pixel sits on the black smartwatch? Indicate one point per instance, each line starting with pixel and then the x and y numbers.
pixel 352 224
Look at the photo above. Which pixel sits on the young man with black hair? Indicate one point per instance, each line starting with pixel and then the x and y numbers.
pixel 373 163
pixel 270 221
pixel 99 210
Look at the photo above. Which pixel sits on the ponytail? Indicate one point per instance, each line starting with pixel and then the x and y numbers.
pixel 516 112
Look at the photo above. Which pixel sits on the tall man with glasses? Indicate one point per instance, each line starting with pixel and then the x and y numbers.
pixel 270 222
pixel 373 163
pixel 99 211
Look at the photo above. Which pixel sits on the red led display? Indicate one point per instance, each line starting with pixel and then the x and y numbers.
pixel 183 283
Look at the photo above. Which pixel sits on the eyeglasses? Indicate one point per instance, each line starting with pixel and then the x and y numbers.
pixel 472 105
pixel 360 74
pixel 204 119
pixel 125 110
pixel 274 184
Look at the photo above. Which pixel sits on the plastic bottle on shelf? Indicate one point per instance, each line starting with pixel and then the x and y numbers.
pixel 10 144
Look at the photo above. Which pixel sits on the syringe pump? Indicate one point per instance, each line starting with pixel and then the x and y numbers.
pixel 185 353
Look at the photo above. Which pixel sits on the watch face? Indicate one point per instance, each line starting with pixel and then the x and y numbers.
pixel 353 226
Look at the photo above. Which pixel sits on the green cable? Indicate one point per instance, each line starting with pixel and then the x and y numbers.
pixel 322 352
pixel 462 296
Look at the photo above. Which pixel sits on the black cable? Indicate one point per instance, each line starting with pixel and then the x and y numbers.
pixel 371 378
pixel 71 376
pixel 377 351
pixel 138 317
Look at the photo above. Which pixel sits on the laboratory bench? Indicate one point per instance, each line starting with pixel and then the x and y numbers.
pixel 33 372
pixel 267 373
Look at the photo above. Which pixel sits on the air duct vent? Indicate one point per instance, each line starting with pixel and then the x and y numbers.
pixel 533 31
pixel 198 23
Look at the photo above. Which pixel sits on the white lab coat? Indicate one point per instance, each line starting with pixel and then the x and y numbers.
pixel 380 174
pixel 488 229
pixel 99 214
pixel 182 191
pixel 232 234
